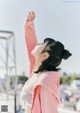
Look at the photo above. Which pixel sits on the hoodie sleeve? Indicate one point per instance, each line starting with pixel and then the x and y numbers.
pixel 45 102
pixel 31 41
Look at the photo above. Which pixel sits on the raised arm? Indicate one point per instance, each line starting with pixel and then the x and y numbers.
pixel 30 38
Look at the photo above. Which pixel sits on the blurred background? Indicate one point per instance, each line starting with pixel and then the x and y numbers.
pixel 58 19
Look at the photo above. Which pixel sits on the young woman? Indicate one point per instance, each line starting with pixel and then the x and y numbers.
pixel 40 93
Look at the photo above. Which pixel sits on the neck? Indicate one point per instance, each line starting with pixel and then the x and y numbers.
pixel 37 65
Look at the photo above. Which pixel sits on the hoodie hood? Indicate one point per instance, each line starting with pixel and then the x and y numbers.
pixel 51 81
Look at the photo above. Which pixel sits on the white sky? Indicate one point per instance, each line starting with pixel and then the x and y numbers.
pixel 57 19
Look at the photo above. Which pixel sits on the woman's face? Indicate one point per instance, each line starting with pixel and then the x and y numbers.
pixel 38 49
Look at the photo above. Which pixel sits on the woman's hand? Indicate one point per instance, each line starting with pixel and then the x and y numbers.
pixel 31 16
pixel 27 108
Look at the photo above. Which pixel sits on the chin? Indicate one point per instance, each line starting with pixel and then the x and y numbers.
pixel 34 53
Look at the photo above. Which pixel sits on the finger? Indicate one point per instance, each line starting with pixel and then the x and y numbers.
pixel 28 17
pixel 33 13
pixel 30 14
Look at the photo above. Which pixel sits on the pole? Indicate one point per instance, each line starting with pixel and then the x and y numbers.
pixel 7 68
pixel 16 78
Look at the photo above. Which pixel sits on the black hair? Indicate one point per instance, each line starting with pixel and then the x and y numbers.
pixel 57 52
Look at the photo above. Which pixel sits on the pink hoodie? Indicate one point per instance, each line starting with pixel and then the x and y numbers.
pixel 31 42
pixel 45 95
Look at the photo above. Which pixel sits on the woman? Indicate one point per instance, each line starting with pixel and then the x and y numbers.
pixel 40 93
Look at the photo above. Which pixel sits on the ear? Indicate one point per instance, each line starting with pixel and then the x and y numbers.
pixel 44 56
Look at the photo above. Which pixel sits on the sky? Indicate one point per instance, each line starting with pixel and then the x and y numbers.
pixel 57 19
